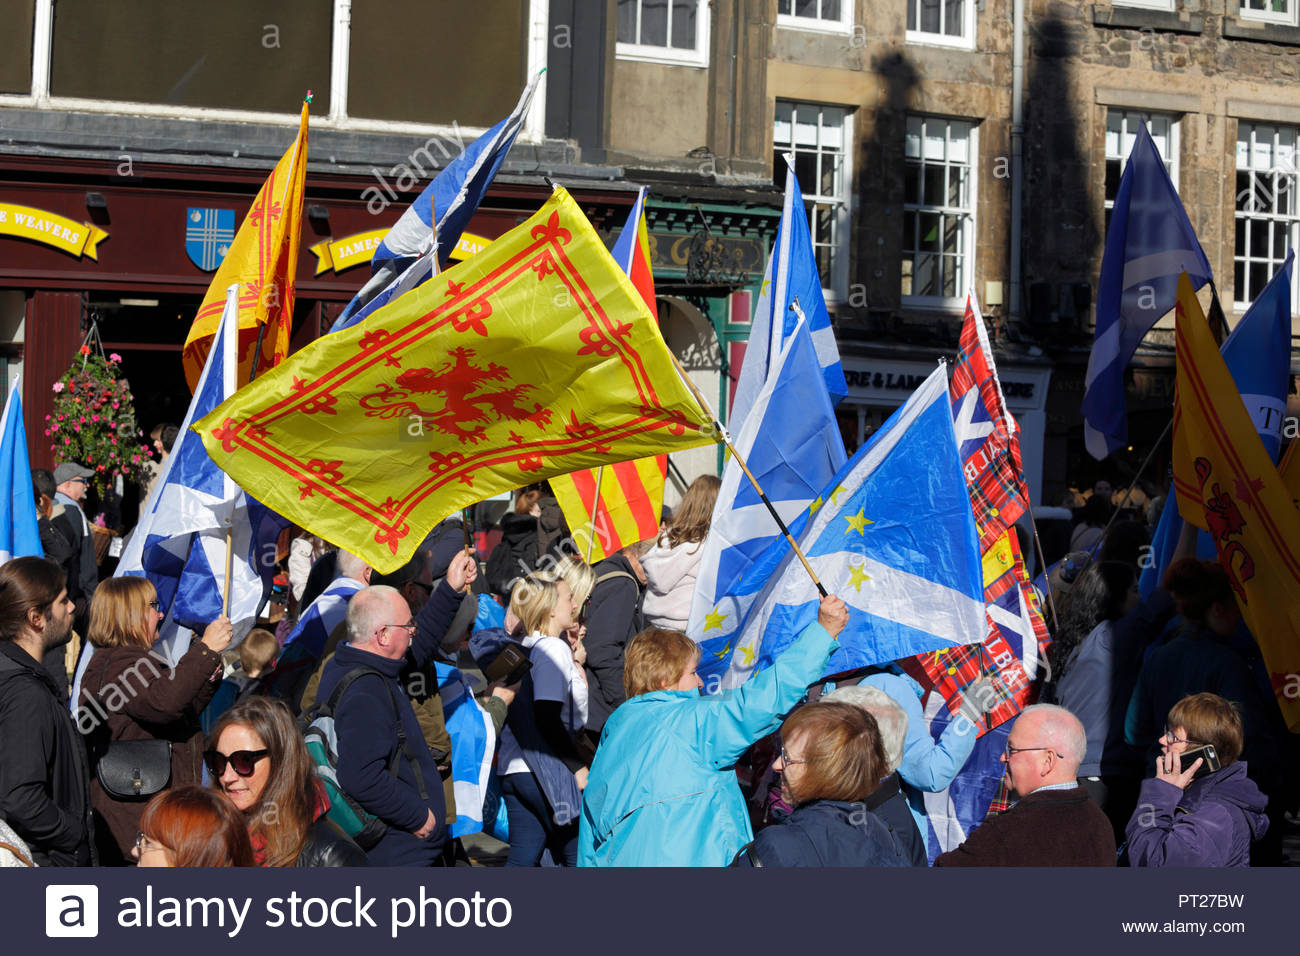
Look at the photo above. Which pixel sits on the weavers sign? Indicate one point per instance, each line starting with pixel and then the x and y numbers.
pixel 50 229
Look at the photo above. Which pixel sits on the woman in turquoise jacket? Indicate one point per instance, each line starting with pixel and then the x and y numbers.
pixel 662 790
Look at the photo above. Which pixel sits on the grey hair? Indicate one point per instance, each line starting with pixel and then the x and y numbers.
pixel 350 566
pixel 1061 730
pixel 890 717
pixel 367 611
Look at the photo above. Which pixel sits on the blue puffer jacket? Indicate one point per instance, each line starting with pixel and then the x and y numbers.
pixel 826 833
pixel 662 791
pixel 1211 823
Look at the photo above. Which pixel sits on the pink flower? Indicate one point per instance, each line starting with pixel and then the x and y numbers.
pixel 114 357
pixel 115 406
pixel 52 428
pixel 47 433
pixel 58 387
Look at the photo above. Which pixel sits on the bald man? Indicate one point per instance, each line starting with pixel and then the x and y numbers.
pixel 1055 822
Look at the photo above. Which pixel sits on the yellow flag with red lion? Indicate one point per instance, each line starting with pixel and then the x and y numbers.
pixel 535 358
pixel 1227 485
pixel 263 262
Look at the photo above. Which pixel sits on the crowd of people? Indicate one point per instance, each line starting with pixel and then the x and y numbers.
pixel 328 736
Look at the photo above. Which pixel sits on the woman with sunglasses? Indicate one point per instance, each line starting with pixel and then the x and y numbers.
pixel 831 760
pixel 257 758
pixel 1189 817
pixel 191 826
pixel 130 694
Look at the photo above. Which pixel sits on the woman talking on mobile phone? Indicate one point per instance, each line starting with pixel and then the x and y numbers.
pixel 1200 809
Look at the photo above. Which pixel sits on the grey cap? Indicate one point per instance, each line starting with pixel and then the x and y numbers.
pixel 68 470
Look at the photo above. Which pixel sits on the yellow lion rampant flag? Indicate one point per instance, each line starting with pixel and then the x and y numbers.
pixel 1227 485
pixel 534 358
pixel 263 261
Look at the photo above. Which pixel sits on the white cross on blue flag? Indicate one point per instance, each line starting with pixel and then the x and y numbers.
pixel 892 534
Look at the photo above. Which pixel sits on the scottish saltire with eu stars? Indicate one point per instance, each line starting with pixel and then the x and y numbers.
pixel 891 534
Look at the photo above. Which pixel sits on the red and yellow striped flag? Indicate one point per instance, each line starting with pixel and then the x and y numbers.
pixel 631 496
pixel 619 505
pixel 263 261
pixel 1227 485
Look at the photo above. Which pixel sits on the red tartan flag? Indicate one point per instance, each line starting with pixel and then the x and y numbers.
pixel 988 438
pixel 992 677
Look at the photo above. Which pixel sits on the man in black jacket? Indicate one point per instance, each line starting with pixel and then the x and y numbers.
pixel 612 621
pixel 83 571
pixel 44 774
pixel 382 641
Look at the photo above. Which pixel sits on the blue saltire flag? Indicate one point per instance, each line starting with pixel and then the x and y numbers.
pixel 1258 355
pixel 791 285
pixel 473 746
pixel 1149 242
pixel 20 534
pixel 892 534
pixel 792 445
pixel 417 245
pixel 179 543
pixel 952 814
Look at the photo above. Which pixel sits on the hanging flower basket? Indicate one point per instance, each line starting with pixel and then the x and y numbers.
pixel 93 422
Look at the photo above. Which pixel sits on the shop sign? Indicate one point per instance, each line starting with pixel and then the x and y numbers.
pixel 358 249
pixel 77 239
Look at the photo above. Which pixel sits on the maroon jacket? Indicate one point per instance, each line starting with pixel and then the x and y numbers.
pixel 1046 828
pixel 128 694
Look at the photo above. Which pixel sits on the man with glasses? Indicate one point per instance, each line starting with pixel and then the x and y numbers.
pixel 384 763
pixel 1055 822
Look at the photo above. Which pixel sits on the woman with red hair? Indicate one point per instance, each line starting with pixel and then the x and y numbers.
pixel 191 826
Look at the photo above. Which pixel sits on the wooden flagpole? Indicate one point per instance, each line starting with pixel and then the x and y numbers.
pixel 595 503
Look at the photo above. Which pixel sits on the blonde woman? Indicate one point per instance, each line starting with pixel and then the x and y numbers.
pixel 129 694
pixel 542 772
pixel 672 565
pixel 581 579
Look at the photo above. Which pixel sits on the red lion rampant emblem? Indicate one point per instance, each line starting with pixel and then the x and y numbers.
pixel 468 395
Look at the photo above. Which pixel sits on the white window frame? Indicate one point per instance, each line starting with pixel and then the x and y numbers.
pixel 1169 5
pixel 818 24
pixel 955 303
pixel 668 55
pixel 1289 18
pixel 1128 116
pixel 841 249
pixel 533 130
pixel 1292 222
pixel 966 42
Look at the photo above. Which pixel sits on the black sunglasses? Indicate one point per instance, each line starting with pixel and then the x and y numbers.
pixel 241 761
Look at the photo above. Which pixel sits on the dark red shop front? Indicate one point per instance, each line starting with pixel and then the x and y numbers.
pixel 139 283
